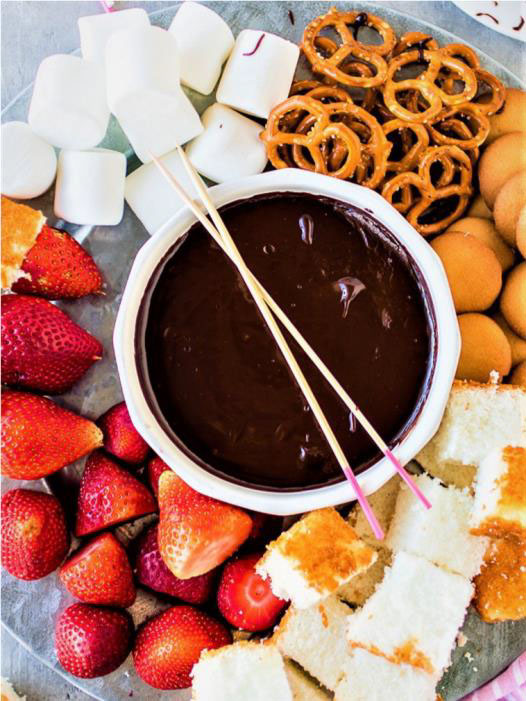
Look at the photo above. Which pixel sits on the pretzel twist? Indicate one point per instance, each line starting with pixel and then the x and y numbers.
pixel 316 131
pixel 329 59
pixel 454 181
pixel 477 122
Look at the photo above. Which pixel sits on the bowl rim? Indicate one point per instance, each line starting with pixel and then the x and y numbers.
pixel 258 499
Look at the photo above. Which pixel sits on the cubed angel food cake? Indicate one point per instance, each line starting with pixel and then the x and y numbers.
pixel 244 670
pixel 414 615
pixel 440 534
pixel 478 419
pixel 314 558
pixel 500 494
pixel 368 677
pixel 315 639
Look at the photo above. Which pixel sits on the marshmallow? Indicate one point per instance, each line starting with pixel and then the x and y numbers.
pixel 259 73
pixel 229 147
pixel 151 198
pixel 144 93
pixel 29 164
pixel 95 30
pixel 68 107
pixel 205 42
pixel 90 186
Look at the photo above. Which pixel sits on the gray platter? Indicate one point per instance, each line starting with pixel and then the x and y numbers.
pixel 29 609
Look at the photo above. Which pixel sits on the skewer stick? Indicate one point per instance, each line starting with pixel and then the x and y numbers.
pixel 302 342
pixel 228 246
pixel 254 288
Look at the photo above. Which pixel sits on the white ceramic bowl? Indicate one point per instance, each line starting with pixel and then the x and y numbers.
pixel 289 502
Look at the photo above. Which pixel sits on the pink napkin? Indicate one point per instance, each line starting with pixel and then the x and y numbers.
pixel 509 686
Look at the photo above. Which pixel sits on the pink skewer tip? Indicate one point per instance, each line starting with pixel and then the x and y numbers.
pixel 407 479
pixel 362 500
pixel 106 6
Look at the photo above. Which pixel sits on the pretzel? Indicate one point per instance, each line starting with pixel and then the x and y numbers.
pixel 461 129
pixel 320 131
pixel 498 93
pixel 414 40
pixel 410 151
pixel 455 166
pixel 462 52
pixel 477 122
pixel 375 147
pixel 424 87
pixel 329 59
pixel 463 74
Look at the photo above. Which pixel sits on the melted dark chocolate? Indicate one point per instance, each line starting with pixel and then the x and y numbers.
pixel 360 21
pixel 486 14
pixel 223 391
pixel 256 47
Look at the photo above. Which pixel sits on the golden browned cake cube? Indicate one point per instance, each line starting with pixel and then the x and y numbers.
pixel 314 558
pixel 500 494
pixel 500 588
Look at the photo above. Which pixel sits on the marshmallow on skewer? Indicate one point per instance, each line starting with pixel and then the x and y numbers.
pixel 149 195
pixel 144 92
pixel 229 146
pixel 259 73
pixel 205 41
pixel 95 30
pixel 90 186
pixel 29 164
pixel 68 107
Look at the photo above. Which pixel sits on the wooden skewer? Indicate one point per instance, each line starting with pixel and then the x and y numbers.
pixel 255 287
pixel 304 345
pixel 228 246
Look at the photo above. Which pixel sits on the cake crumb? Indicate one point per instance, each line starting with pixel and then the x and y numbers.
pixel 461 639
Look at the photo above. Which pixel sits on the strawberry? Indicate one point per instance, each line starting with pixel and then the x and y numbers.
pixel 35 537
pixel 100 573
pixel 109 495
pixel 153 573
pixel 156 467
pixel 92 641
pixel 39 437
pixel 59 268
pixel 121 438
pixel 196 533
pixel 42 348
pixel 168 645
pixel 244 598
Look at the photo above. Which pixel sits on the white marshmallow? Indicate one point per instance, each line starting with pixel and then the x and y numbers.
pixel 151 197
pixel 229 147
pixel 259 73
pixel 90 186
pixel 95 30
pixel 144 93
pixel 205 41
pixel 29 164
pixel 68 107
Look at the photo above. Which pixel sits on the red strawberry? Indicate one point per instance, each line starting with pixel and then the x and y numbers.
pixel 196 533
pixel 168 645
pixel 59 268
pixel 100 573
pixel 92 641
pixel 121 438
pixel 153 573
pixel 42 348
pixel 244 598
pixel 156 467
pixel 35 537
pixel 109 495
pixel 39 437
